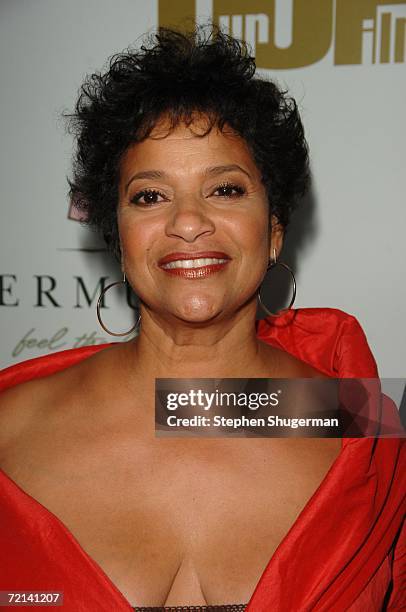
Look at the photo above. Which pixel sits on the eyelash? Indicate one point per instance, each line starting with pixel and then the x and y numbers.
pixel 240 191
pixel 145 192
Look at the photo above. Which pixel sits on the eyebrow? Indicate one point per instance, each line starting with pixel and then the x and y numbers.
pixel 147 174
pixel 211 171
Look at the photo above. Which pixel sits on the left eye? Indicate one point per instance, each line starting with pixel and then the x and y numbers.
pixel 229 190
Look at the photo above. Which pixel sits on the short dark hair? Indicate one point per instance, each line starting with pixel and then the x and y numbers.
pixel 177 74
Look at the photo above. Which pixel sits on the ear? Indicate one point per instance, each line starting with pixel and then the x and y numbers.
pixel 276 235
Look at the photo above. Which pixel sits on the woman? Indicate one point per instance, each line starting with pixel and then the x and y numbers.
pixel 190 166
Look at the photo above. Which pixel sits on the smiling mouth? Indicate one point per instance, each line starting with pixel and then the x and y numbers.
pixel 197 268
pixel 193 263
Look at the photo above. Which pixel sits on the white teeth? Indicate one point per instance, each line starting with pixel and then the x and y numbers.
pixel 193 263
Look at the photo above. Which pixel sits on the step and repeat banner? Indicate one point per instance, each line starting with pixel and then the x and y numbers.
pixel 343 61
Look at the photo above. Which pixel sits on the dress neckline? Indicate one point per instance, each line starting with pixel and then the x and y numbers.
pixel 101 576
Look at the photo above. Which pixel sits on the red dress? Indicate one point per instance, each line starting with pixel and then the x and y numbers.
pixel 346 550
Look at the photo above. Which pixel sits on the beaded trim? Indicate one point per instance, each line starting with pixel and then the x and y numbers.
pixel 215 608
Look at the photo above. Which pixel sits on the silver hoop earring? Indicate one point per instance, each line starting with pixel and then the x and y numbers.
pixel 106 329
pixel 272 264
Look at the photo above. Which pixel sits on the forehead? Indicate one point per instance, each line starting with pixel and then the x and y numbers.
pixel 188 149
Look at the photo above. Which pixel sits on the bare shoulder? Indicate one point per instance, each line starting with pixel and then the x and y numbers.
pixel 287 365
pixel 34 402
pixel 301 369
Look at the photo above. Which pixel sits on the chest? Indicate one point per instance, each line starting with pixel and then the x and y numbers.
pixel 179 521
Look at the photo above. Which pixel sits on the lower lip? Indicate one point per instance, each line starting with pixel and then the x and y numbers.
pixel 196 273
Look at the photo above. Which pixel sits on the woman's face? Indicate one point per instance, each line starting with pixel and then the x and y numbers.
pixel 193 223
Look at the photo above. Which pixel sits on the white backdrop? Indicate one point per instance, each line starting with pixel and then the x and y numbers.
pixel 351 252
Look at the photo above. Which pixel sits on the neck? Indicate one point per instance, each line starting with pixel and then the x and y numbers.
pixel 174 349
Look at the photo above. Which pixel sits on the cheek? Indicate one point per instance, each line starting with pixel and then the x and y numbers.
pixel 252 234
pixel 135 237
pixel 135 245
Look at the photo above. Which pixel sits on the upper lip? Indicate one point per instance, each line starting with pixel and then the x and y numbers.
pixel 195 255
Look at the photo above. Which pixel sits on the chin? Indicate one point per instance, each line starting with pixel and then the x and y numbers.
pixel 197 310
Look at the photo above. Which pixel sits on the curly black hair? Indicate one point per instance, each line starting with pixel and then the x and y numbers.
pixel 176 74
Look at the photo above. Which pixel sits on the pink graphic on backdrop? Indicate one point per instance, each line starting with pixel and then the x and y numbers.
pixel 75 213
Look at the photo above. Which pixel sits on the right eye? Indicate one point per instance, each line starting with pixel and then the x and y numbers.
pixel 147 197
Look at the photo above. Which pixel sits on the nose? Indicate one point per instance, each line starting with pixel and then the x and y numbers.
pixel 189 219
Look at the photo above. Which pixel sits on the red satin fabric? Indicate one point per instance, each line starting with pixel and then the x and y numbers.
pixel 343 551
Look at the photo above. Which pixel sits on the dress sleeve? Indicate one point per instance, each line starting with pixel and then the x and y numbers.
pixel 39 367
pixel 353 357
pixel 328 339
pixel 397 599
